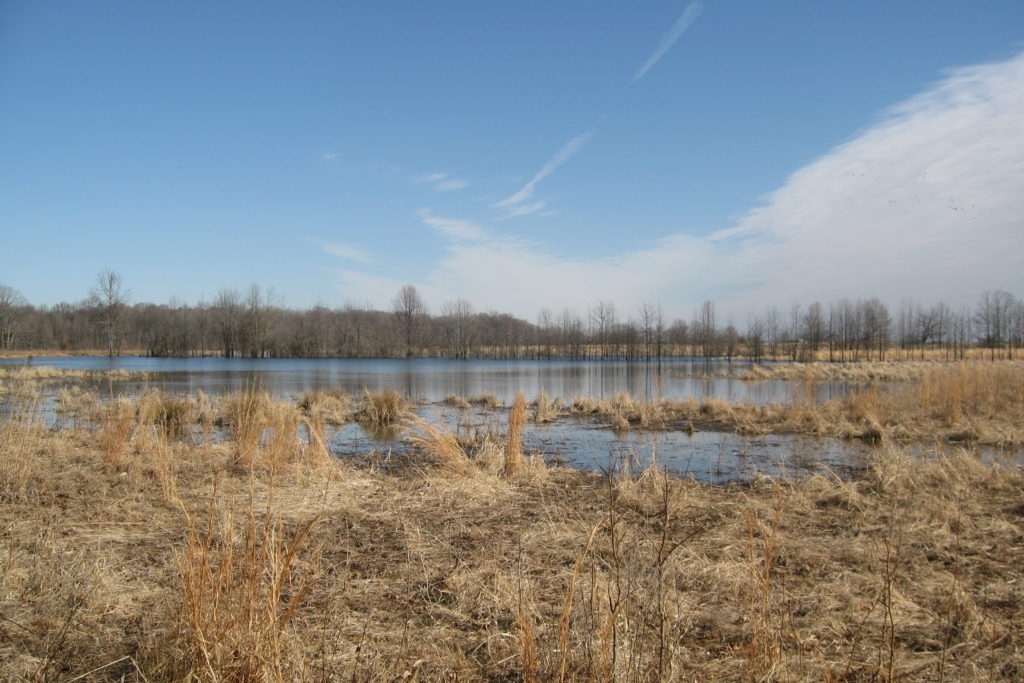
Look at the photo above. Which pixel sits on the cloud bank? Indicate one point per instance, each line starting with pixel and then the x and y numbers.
pixel 926 202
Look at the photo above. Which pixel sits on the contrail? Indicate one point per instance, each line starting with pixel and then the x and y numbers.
pixel 563 155
pixel 689 16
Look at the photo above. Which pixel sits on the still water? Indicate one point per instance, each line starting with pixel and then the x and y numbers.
pixel 708 456
pixel 431 380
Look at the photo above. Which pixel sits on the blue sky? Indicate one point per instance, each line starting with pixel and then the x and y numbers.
pixel 517 155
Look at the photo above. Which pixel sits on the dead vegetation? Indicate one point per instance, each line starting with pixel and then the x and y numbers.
pixel 975 402
pixel 135 550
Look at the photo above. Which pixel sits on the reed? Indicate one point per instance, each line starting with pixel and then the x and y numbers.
pixel 329 407
pixel 242 582
pixel 546 409
pixel 517 418
pixel 382 411
pixel 119 421
pixel 486 400
pixel 441 445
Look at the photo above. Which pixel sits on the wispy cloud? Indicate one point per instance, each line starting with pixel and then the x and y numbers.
pixel 347 252
pixel 441 182
pixel 925 202
pixel 684 22
pixel 452 228
pixel 515 204
pixel 328 156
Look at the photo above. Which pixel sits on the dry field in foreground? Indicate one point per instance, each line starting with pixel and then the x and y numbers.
pixel 132 551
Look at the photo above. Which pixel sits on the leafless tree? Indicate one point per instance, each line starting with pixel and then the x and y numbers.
pixel 993 320
pixel 411 313
pixel 12 311
pixel 602 322
pixel 110 299
pixel 457 328
pixel 227 314
pixel 652 328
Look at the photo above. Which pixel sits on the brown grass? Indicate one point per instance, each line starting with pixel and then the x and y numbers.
pixel 383 412
pixel 517 417
pixel 242 583
pixel 910 572
pixel 976 401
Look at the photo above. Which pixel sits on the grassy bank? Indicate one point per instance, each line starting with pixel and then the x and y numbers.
pixel 131 551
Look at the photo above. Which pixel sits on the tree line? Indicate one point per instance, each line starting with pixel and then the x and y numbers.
pixel 254 323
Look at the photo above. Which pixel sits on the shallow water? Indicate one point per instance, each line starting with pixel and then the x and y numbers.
pixel 430 380
pixel 707 456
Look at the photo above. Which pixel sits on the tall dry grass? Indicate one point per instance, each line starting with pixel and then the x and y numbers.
pixel 909 572
pixel 440 444
pixel 242 582
pixel 383 412
pixel 517 418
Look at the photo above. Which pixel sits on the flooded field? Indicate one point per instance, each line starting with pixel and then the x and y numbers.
pixel 712 455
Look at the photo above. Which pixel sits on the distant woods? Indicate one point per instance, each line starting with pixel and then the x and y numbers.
pixel 256 324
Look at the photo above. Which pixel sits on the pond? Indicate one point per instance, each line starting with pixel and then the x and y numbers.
pixel 708 456
pixel 431 379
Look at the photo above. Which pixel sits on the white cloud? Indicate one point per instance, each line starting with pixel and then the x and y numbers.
pixel 926 202
pixel 567 151
pixel 328 156
pixel 452 228
pixel 441 182
pixel 450 184
pixel 347 252
pixel 684 22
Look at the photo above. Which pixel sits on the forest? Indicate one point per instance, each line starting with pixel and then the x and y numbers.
pixel 254 323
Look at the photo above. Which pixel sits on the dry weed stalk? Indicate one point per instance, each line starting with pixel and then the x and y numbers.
pixel 764 651
pixel 116 431
pixel 241 589
pixel 517 418
pixel 246 412
pixel 442 445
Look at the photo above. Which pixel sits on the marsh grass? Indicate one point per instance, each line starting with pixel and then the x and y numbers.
pixel 546 409
pixel 242 582
pixel 439 444
pixel 485 400
pixel 909 572
pixel 975 401
pixel 383 412
pixel 328 407
pixel 517 418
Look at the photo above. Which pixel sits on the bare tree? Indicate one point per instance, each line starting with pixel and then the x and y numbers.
pixel 12 310
pixel 755 337
pixel 411 312
pixel 110 299
pixel 457 327
pixel 705 329
pixel 652 328
pixel 602 322
pixel 993 319
pixel 228 312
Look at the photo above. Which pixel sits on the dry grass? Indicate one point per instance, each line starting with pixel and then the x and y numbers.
pixel 383 412
pixel 328 407
pixel 911 572
pixel 976 401
pixel 517 417
pixel 546 409
pixel 242 583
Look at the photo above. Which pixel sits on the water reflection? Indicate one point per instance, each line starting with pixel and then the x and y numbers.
pixel 431 380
